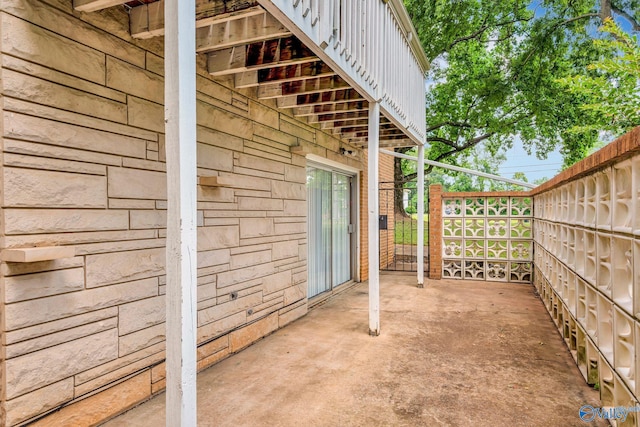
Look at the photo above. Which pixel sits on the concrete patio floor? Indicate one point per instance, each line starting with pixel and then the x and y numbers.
pixel 456 353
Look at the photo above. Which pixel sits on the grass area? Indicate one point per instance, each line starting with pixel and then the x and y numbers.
pixel 406 232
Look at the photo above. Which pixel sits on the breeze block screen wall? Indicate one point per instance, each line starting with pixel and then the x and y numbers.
pixel 487 236
pixel 587 266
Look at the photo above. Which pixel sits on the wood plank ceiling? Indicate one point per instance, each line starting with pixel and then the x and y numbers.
pixel 242 39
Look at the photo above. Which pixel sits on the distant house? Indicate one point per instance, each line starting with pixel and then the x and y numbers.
pixel 287 92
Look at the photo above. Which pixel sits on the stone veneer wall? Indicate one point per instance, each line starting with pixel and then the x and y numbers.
pixel 587 266
pixel 83 166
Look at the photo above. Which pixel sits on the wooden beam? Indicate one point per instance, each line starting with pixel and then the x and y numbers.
pixel 241 31
pixel 337 124
pixel 408 143
pixel 288 73
pixel 302 87
pixel 258 56
pixel 383 133
pixel 349 107
pixel 181 263
pixel 221 8
pixel 332 117
pixel 42 253
pixel 358 127
pixel 93 5
pixel 350 129
pixel 363 142
pixel 215 181
pixel 147 20
pixel 324 98
pixel 299 149
pixel 213 32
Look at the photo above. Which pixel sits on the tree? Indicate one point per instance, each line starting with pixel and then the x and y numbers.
pixel 613 84
pixel 497 70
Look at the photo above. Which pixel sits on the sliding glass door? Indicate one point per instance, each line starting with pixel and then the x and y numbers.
pixel 329 195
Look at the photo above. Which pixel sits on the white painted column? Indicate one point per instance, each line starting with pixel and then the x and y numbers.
pixel 373 211
pixel 420 263
pixel 180 129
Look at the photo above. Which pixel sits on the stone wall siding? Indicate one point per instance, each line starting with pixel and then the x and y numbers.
pixel 587 266
pixel 84 166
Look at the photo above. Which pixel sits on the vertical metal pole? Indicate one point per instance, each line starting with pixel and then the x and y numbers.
pixel 180 128
pixel 374 244
pixel 420 167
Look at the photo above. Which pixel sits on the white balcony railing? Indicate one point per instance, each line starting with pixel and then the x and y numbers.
pixel 371 44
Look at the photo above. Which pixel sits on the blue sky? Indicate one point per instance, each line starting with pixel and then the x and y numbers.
pixel 517 158
pixel 519 161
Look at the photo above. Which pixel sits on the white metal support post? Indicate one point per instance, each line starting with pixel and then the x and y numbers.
pixel 373 210
pixel 180 129
pixel 420 167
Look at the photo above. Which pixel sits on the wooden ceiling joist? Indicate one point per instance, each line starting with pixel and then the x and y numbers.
pixel 213 32
pixel 384 134
pixel 406 142
pixel 332 117
pixel 362 132
pixel 360 122
pixel 302 87
pixel 288 73
pixel 235 32
pixel 324 98
pixel 349 107
pixel 93 5
pixel 343 123
pixel 384 142
pixel 221 8
pixel 267 54
pixel 363 128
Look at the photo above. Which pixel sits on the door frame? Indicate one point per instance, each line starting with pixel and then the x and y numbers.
pixel 333 166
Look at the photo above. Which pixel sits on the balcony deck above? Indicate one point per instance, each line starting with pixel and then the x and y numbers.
pixel 325 60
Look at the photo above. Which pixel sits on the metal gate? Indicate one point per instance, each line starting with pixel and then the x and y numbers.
pixel 398 227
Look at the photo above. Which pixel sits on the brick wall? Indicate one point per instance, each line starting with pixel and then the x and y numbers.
pixel 364 221
pixel 386 206
pixel 83 166
pixel 435 231
pixel 385 173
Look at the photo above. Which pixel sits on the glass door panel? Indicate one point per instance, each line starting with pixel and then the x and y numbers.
pixel 341 218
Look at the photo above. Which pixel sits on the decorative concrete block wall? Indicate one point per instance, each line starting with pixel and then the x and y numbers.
pixel 587 266
pixel 487 236
pixel 83 168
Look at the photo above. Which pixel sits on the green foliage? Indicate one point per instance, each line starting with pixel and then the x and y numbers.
pixel 612 85
pixel 499 69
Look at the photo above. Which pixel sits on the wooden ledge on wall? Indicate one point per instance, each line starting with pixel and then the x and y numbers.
pixel 44 253
pixel 215 181
pixel 299 149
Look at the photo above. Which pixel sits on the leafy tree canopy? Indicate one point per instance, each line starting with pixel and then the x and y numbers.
pixel 613 84
pixel 507 68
